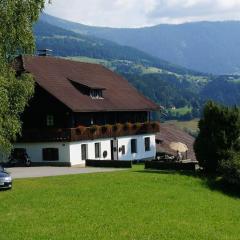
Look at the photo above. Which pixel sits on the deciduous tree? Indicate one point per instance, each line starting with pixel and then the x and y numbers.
pixel 16 37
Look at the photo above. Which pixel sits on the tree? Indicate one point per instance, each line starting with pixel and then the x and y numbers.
pixel 218 136
pixel 16 37
pixel 230 168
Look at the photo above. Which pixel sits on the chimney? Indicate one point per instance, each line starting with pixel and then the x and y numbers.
pixel 44 52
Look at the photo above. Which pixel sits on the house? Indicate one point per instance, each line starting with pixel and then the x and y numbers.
pixel 83 111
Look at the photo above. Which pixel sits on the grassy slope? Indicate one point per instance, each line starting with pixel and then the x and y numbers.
pixel 142 69
pixel 122 205
pixel 181 111
pixel 191 125
pixel 112 64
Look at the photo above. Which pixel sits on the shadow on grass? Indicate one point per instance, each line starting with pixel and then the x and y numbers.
pixel 5 189
pixel 218 184
pixel 213 182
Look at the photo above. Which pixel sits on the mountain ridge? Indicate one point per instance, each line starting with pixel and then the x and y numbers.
pixel 166 84
pixel 211 47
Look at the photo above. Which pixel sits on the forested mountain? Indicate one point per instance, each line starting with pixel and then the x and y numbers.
pixel 168 85
pixel 68 43
pixel 212 47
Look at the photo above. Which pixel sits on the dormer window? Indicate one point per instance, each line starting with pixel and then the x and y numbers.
pixel 92 90
pixel 96 94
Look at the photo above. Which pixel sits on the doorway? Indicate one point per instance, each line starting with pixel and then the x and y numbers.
pixel 114 149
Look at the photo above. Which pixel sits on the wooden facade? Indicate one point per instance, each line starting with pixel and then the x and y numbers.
pixel 44 105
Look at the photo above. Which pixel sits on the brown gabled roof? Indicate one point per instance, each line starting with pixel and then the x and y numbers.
pixel 170 133
pixel 55 76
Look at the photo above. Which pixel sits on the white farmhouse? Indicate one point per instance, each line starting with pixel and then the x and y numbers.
pixel 83 111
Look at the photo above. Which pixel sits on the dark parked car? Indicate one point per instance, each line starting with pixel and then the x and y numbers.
pixel 5 179
pixel 19 157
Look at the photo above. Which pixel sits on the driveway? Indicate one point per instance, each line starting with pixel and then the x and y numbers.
pixel 32 172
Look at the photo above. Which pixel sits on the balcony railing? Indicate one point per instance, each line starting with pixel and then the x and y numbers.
pixel 88 133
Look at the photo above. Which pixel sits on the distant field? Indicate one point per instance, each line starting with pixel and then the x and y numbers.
pixel 180 111
pixel 131 204
pixel 88 60
pixel 185 125
pixel 113 63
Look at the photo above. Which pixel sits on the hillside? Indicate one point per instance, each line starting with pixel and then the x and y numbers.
pixel 168 85
pixel 67 43
pixel 212 47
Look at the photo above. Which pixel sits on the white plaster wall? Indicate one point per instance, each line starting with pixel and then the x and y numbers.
pixel 76 155
pixel 34 150
pixel 141 154
pixel 71 152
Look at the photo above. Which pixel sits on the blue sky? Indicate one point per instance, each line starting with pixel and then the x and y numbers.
pixel 138 13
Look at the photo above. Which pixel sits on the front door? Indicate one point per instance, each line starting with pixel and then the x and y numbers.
pixel 114 149
pixel 84 150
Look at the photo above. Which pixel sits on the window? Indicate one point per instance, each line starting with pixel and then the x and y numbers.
pixel 134 146
pixel 147 144
pixel 50 154
pixel 84 150
pixel 96 93
pixel 97 150
pixel 123 150
pixel 50 120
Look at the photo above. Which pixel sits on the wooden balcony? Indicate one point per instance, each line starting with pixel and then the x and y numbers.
pixel 88 133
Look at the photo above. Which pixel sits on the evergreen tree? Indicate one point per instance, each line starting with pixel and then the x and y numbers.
pixel 218 136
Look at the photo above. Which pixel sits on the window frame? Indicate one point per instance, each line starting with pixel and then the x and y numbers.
pixel 123 150
pixel 50 156
pixel 133 145
pixel 50 120
pixel 96 93
pixel 97 148
pixel 147 144
pixel 86 151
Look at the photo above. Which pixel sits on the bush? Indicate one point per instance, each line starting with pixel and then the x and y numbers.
pixel 94 129
pixel 146 126
pixel 106 129
pixel 80 130
pixel 219 131
pixel 155 126
pixel 230 168
pixel 117 127
pixel 127 126
pixel 136 126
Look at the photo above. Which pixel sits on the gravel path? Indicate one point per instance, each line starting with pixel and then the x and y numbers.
pixel 32 172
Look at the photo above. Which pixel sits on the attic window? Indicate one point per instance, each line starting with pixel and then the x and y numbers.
pixel 96 93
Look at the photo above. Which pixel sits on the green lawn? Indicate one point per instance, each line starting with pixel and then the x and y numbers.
pixel 131 204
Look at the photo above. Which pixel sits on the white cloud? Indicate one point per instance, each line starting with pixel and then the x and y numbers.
pixel 134 13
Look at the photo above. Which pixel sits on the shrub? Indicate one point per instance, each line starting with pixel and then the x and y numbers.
pixel 80 130
pixel 155 126
pixel 219 133
pixel 94 128
pixel 117 127
pixel 230 168
pixel 136 126
pixel 146 126
pixel 106 129
pixel 127 126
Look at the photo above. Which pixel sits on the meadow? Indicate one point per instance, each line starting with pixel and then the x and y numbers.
pixel 130 204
